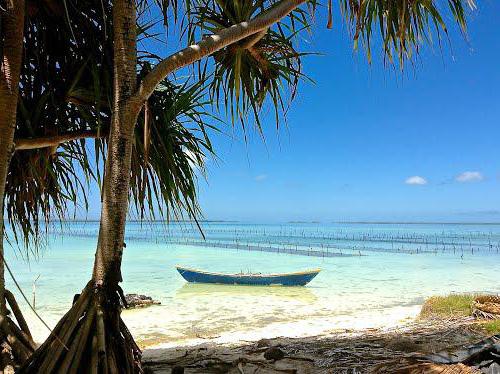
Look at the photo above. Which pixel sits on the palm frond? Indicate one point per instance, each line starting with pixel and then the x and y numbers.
pixel 165 169
pixel 66 55
pixel 261 68
pixel 67 87
pixel 403 25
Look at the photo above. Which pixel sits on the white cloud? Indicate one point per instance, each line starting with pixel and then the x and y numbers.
pixel 469 176
pixel 416 180
pixel 261 177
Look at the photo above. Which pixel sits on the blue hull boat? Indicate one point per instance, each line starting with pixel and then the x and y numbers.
pixel 285 279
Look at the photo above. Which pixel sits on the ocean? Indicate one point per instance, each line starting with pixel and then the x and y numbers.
pixel 373 275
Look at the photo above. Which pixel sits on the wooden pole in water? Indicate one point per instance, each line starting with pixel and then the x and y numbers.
pixel 34 291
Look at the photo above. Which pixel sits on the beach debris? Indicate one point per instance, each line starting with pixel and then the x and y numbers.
pixel 405 349
pixel 274 353
pixel 135 300
pixel 264 343
pixel 484 355
pixel 430 368
pixel 178 370
pixel 403 344
pixel 487 307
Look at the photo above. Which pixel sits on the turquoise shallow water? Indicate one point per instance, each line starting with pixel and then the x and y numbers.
pixel 371 275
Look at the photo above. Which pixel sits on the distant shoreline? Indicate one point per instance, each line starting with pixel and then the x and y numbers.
pixel 414 223
pixel 297 222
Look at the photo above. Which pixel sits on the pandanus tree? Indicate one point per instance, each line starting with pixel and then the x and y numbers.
pixel 91 337
pixel 38 182
pixel 101 338
pixel 17 343
pixel 63 100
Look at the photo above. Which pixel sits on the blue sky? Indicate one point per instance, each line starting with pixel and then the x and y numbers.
pixel 357 136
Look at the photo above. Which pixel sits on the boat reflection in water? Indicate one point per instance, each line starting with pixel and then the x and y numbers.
pixel 255 279
pixel 303 295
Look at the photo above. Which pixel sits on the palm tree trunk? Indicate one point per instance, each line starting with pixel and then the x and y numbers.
pixel 92 337
pixel 18 341
pixel 12 23
pixel 117 179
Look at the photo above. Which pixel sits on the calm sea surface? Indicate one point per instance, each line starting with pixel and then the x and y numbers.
pixel 372 275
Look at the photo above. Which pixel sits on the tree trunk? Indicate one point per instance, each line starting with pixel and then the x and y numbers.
pixel 12 23
pixel 117 178
pixel 16 342
pixel 91 337
pixel 55 140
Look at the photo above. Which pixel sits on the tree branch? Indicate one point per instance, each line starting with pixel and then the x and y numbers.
pixel 54 141
pixel 209 45
pixel 254 39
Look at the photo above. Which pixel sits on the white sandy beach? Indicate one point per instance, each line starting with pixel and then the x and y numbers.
pixel 140 320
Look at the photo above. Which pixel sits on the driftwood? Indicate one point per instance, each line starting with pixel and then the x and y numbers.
pixel 487 307
pixel 400 350
pixel 483 356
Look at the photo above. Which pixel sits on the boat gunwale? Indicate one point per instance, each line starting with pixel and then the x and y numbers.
pixel 305 272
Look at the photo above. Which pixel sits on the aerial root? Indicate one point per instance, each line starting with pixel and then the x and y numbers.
pixel 90 338
pixel 16 342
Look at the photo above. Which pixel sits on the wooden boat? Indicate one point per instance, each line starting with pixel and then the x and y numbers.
pixel 285 279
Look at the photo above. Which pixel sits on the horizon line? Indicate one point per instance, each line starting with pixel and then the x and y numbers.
pixel 359 222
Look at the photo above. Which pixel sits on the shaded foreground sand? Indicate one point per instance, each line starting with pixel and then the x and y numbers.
pixel 398 350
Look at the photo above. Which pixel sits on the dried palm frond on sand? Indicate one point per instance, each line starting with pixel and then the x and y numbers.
pixel 399 350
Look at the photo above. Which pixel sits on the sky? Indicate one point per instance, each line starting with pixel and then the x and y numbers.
pixel 371 143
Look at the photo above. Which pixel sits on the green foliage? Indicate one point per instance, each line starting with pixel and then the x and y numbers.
pixel 262 66
pixel 60 62
pixel 39 186
pixel 268 66
pixel 66 86
pixel 492 327
pixel 454 305
pixel 403 24
pixel 165 167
